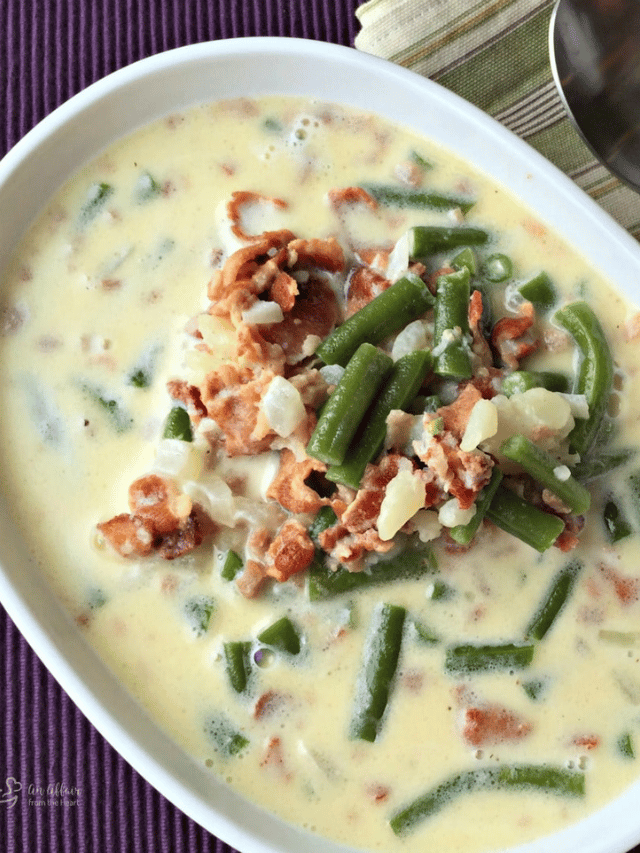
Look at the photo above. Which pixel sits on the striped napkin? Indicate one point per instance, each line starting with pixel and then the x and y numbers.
pixel 494 53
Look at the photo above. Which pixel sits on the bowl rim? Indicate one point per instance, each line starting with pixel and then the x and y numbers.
pixel 525 172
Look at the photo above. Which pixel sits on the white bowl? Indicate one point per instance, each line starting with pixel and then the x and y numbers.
pixel 135 95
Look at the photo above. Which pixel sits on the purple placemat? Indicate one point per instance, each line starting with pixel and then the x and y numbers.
pixel 63 789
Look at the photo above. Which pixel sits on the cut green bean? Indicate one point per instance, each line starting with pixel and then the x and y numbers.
pixel 178 425
pixel 231 566
pixel 198 611
pixel 526 522
pixel 146 188
pixel 467 658
pixel 451 325
pixel 427 240
pixel 598 463
pixel 422 404
pixel 553 602
pixel 625 745
pixel 523 380
pixel 236 654
pixel 405 301
pixel 497 267
pixel 464 533
pixel 347 406
pixel 543 778
pixel 412 561
pixel 282 635
pixel 633 483
pixel 377 671
pixel 95 201
pixel 324 519
pixel 225 737
pixel 546 471
pixel 404 382
pixel 118 417
pixel 615 521
pixel 392 195
pixel 466 258
pixel 540 291
pixel 595 375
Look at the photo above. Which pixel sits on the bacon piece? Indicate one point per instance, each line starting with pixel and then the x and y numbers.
pixel 242 198
pixel 274 758
pixel 351 195
pixel 480 345
pixel 626 589
pixel 456 415
pixel 159 503
pixel 241 266
pixel 270 703
pixel 492 724
pixel 288 487
pixel 506 335
pixel 252 578
pixel 315 313
pixel 324 254
pixel 290 552
pixel 586 741
pixel 284 290
pixel 365 284
pixel 128 535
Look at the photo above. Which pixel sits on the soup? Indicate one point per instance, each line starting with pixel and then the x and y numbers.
pixel 436 645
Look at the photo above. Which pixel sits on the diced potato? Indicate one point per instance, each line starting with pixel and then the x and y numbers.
pixel 282 406
pixel 451 514
pixel 180 460
pixel 483 424
pixel 427 524
pixel 403 497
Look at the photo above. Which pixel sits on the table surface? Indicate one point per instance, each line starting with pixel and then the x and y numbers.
pixel 50 50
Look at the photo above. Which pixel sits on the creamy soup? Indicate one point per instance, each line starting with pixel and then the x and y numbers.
pixel 178 421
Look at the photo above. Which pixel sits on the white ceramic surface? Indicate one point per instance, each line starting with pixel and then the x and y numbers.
pixel 135 95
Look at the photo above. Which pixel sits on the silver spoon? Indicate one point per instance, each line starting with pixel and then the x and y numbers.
pixel 594 47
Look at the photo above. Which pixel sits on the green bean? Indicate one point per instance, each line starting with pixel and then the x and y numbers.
pixel 347 406
pixel 146 188
pixel 526 522
pixel 615 521
pixel 422 404
pixel 451 315
pixel 498 267
pixel 413 560
pixel 198 611
pixel 406 300
pixel 466 658
pixel 324 519
pixel 544 778
pixel 424 633
pixel 598 463
pixel 523 380
pixel 404 382
pixel 282 635
pixel 633 483
pixel 119 418
pixel 238 667
pixel 595 375
pixel 392 195
pixel 426 240
pixel 226 739
pixel 377 671
pixel 625 745
pixel 466 258
pixel 178 425
pixel 419 160
pixel 540 291
pixel 543 467
pixel 464 533
pixel 231 566
pixel 534 688
pixel 95 201
pixel 554 600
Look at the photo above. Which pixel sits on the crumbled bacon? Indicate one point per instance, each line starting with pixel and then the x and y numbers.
pixel 162 520
pixel 507 335
pixel 626 589
pixel 290 552
pixel 239 200
pixel 456 416
pixel 351 195
pixel 488 725
pixel 288 487
pixel 479 345
pixel 365 284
